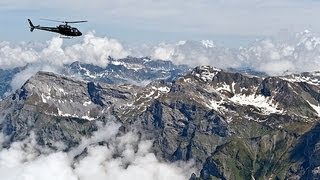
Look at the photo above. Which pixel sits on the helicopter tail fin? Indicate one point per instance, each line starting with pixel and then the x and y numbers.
pixel 31 25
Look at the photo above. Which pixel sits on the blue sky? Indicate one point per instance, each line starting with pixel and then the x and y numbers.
pixel 228 22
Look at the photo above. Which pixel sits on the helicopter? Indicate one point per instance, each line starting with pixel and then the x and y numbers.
pixel 65 30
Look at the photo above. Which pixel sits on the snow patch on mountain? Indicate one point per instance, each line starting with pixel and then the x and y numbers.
pixel 315 107
pixel 224 87
pixel 164 89
pixel 62 114
pixel 45 98
pixel 265 104
pixel 87 103
pixel 132 66
pixel 310 78
pixel 216 105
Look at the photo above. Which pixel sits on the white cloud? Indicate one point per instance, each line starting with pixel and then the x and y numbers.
pixel 95 50
pixel 195 53
pixel 296 53
pixel 13 56
pixel 124 157
pixel 277 67
pixel 163 51
pixel 92 50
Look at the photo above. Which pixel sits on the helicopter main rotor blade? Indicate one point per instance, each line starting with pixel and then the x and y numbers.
pixel 67 22
pixel 53 20
pixel 75 21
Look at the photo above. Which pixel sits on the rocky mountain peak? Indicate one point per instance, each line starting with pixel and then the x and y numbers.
pixel 205 73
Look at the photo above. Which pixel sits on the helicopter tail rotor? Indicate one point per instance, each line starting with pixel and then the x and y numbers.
pixel 31 25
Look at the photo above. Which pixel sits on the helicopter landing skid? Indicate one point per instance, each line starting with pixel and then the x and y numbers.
pixel 66 37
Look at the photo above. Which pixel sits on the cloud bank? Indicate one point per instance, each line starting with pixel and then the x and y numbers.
pixel 122 157
pixel 290 53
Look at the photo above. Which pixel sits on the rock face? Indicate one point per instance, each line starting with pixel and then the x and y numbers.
pixel 233 126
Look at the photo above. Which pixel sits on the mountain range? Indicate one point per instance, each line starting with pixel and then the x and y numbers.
pixel 231 124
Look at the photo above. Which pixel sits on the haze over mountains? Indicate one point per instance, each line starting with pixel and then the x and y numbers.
pixel 99 109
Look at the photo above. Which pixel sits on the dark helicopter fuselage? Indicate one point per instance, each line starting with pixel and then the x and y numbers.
pixel 65 30
pixel 68 30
